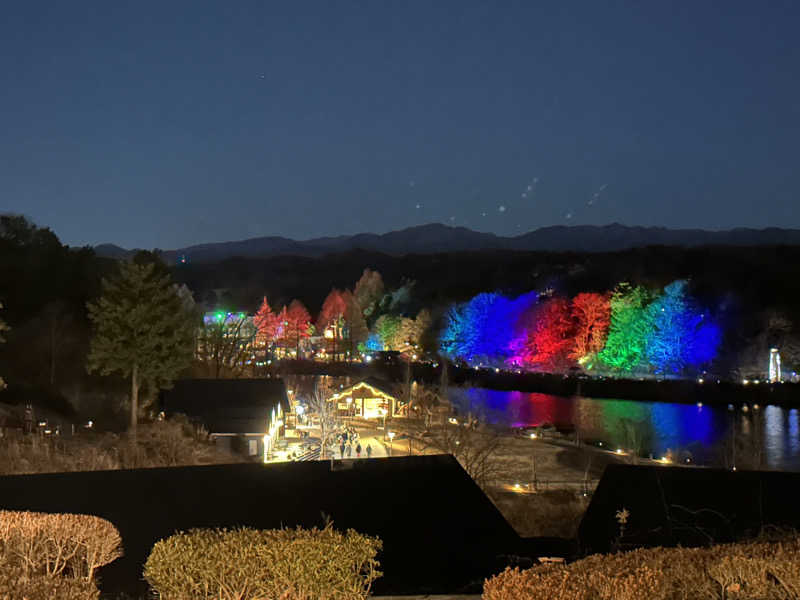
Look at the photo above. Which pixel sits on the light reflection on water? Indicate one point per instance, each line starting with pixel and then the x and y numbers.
pixel 707 433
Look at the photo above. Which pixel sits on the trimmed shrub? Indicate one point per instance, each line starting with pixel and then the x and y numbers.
pixel 286 564
pixel 15 586
pixel 55 545
pixel 753 570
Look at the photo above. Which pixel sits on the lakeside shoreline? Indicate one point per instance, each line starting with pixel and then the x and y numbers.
pixel 682 391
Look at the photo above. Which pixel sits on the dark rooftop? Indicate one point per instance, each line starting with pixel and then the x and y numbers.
pixel 441 534
pixel 687 506
pixel 227 405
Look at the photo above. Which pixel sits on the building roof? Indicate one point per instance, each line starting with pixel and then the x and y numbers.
pixel 440 533
pixel 227 405
pixel 687 506
pixel 379 387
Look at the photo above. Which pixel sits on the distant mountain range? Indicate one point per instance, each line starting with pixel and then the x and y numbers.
pixel 437 238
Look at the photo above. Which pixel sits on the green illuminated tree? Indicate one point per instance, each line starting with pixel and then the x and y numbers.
pixel 630 325
pixel 142 330
pixel 387 327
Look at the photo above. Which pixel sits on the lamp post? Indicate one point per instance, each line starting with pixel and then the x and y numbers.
pixel 391 439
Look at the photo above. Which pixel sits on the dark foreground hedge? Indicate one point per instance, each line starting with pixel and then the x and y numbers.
pixel 285 564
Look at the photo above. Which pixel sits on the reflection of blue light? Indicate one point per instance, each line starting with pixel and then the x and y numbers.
pixel 774 431
pixel 660 425
pixel 794 431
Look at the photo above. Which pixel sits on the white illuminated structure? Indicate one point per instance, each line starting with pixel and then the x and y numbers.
pixel 274 427
pixel 774 365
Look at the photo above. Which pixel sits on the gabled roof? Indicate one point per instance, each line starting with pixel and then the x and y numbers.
pixel 227 405
pixel 379 387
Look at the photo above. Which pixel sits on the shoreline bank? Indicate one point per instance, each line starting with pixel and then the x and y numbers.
pixel 684 391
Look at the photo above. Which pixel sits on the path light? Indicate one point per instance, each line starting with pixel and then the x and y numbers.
pixel 533 436
pixel 619 450
pixel 699 405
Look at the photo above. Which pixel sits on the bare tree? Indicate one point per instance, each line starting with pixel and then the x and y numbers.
pixel 226 345
pixel 324 411
pixel 473 447
pixel 473 444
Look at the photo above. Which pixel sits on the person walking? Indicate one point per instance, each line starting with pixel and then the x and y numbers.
pixel 369 451
pixel 358 450
pixel 349 450
pixel 341 450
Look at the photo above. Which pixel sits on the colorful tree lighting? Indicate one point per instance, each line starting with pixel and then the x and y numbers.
pixel 266 323
pixel 628 330
pixel 679 334
pixel 548 337
pixel 482 330
pixel 373 343
pixel 591 315
pixel 387 328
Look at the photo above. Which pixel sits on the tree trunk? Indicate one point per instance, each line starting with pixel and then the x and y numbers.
pixel 134 398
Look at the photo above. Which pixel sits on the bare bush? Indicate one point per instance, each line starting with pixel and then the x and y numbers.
pixel 55 545
pixel 45 556
pixel 174 442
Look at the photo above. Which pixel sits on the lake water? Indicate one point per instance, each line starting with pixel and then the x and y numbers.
pixel 767 436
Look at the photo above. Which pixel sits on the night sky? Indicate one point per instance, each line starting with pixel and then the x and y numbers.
pixel 163 124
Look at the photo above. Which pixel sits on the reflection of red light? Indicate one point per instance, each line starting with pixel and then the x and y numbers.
pixel 535 410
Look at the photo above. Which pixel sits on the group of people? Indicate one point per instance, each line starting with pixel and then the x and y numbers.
pixel 350 443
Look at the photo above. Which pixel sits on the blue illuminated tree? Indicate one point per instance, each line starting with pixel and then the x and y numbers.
pixel 373 343
pixel 682 334
pixel 481 330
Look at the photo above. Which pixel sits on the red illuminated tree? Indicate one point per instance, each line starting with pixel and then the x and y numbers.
pixel 299 327
pixel 550 336
pixel 282 329
pixel 266 324
pixel 591 313
pixel 331 318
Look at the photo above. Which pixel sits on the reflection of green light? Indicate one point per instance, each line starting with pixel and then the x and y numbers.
pixel 219 316
pixel 241 315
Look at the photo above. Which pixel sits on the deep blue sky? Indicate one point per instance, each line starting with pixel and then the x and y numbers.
pixel 162 124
